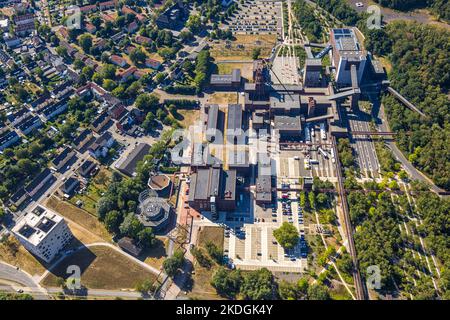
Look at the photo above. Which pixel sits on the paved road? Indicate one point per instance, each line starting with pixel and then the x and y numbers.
pixel 389 15
pixel 22 280
pixel 410 169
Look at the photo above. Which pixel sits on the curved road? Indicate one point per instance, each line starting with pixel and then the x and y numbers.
pixel 28 284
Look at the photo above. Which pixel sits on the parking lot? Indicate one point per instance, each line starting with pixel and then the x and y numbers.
pixel 257 17
pixel 251 245
pixel 323 166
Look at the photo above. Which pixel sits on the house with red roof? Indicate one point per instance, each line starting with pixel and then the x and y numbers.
pixel 142 40
pixel 132 27
pixel 152 63
pixel 90 27
pixel 124 75
pixel 118 61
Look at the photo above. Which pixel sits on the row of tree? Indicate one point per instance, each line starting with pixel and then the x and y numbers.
pixel 261 285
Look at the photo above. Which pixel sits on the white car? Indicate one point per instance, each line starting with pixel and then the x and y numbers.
pixel 359 4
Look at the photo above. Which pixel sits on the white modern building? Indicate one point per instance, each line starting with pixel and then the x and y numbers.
pixel 347 51
pixel 43 232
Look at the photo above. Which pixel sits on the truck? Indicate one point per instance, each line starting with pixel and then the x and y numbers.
pixel 323 133
pixel 323 153
pixel 333 158
pixel 307 164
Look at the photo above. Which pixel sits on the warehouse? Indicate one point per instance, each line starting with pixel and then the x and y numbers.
pixel 231 81
pixel 128 166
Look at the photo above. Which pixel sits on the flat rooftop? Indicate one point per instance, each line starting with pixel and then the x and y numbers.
pixel 37 224
pixel 287 123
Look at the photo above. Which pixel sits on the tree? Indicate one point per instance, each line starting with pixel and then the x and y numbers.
pixel 258 285
pixel 133 89
pixel 96 21
pixel 214 251
pixel 160 76
pixel 131 226
pixel 62 51
pixel 145 286
pixel 109 84
pixel 2 214
pixel 147 102
pixel 85 42
pixel 88 72
pixel 146 237
pixel 318 292
pixel 201 258
pixel 108 71
pixel 256 53
pixel 194 23
pixel 172 264
pixel 227 282
pixel 137 56
pixel 286 235
pixel 112 221
pixel 105 205
pixel 287 290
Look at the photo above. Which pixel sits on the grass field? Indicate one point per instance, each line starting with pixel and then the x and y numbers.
pixel 101 268
pixel 12 252
pixel 202 287
pixel 220 51
pixel 80 216
pixel 189 117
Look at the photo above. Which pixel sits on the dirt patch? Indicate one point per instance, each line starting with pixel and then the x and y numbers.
pixel 189 117
pixel 246 69
pixel 223 98
pixel 101 268
pixel 79 216
pixel 210 234
pixel 12 252
pixel 242 47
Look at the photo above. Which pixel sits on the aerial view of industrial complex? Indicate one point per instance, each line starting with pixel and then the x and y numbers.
pixel 224 150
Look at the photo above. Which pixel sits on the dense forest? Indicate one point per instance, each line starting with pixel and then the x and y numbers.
pixel 309 23
pixel 382 240
pixel 340 10
pixel 441 8
pixel 420 62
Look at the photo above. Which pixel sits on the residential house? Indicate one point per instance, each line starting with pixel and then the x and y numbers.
pixel 152 63
pixel 24 24
pixel 39 182
pixel 82 140
pixel 62 159
pixel 100 122
pixel 99 149
pixel 118 61
pixel 107 5
pixel 53 110
pixel 87 169
pixel 124 75
pixel 29 124
pixel 8 139
pixel 69 186
pixel 132 27
pixel 89 27
pixel 142 40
